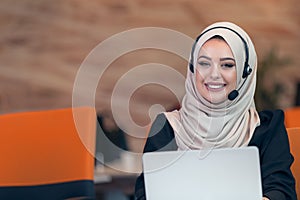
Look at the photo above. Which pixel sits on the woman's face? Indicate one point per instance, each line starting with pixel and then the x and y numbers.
pixel 216 71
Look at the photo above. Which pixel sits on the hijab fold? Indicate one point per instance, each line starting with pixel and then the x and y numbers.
pixel 200 124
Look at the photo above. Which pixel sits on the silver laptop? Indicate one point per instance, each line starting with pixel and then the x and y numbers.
pixel 227 174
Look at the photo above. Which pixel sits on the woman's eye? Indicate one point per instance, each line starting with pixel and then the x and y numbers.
pixel 228 65
pixel 204 64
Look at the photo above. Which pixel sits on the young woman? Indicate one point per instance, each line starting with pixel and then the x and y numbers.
pixel 218 110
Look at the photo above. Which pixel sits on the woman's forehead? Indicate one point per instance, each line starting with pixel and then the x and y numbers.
pixel 215 47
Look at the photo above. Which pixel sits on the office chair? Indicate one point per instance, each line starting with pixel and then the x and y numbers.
pixel 294 139
pixel 48 154
pixel 292 117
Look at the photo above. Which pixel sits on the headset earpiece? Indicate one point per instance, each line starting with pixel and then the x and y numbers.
pixel 191 66
pixel 247 70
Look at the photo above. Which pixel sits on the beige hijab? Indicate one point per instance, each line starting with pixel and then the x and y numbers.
pixel 200 124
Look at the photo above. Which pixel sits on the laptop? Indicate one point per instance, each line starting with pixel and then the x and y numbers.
pixel 227 174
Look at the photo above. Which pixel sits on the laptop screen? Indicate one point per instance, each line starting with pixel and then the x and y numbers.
pixel 231 173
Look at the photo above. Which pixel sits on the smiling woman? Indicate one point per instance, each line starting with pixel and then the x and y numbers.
pixel 216 72
pixel 218 111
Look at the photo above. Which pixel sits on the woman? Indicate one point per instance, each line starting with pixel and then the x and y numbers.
pixel 218 110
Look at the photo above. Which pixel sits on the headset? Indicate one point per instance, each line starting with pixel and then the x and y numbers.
pixel 247 69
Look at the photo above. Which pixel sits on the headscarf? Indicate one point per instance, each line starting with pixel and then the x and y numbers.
pixel 200 124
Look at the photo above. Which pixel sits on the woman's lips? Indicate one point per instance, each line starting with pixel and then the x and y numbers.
pixel 215 87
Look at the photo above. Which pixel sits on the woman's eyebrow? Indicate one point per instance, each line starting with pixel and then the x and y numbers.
pixel 227 58
pixel 208 58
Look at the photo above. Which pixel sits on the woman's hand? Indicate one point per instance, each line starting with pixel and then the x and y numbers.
pixel 265 198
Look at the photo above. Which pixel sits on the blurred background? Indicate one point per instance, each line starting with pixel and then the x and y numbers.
pixel 43 43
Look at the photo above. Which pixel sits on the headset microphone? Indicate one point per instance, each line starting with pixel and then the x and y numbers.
pixel 247 71
pixel 234 93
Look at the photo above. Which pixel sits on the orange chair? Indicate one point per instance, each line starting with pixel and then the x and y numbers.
pixel 294 139
pixel 48 154
pixel 292 117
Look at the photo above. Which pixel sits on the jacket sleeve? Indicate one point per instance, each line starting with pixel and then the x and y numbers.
pixel 275 157
pixel 161 138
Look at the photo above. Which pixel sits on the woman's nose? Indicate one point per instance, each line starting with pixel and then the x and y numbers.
pixel 215 72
